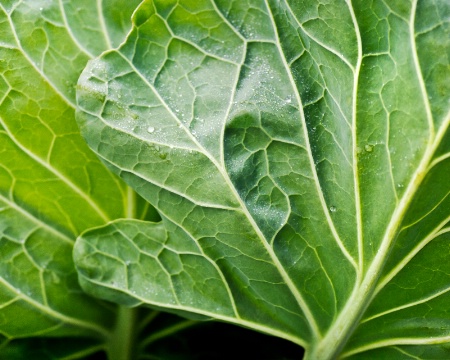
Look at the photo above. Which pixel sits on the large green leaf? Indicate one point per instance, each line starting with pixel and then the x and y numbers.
pixel 52 188
pixel 299 155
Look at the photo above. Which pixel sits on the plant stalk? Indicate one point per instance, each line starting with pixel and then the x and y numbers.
pixel 332 344
pixel 122 342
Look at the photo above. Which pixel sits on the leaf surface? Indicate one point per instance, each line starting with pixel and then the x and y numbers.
pixel 298 154
pixel 52 187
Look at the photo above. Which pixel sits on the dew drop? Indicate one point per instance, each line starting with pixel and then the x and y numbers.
pixel 368 148
pixel 333 209
pixel 151 129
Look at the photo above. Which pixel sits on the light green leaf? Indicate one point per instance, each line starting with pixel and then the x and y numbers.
pixel 298 152
pixel 52 187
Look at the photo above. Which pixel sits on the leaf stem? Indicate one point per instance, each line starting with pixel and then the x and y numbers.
pixel 335 339
pixel 121 343
pixel 167 332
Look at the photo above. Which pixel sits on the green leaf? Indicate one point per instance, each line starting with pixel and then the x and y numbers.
pixel 52 187
pixel 298 153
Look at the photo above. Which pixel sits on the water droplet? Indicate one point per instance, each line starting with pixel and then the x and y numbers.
pixel 163 155
pixel 333 209
pixel 400 185
pixel 151 129
pixel 368 148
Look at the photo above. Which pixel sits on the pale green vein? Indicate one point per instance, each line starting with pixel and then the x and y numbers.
pixel 286 216
pixel 208 54
pixel 145 210
pixel 41 333
pixel 5 304
pixel 101 19
pixel 414 53
pixel 226 21
pixel 318 42
pixel 290 63
pixel 356 185
pixel 439 230
pixel 388 153
pixel 40 270
pixel 429 212
pixel 392 11
pixel 57 174
pixel 347 160
pixel 400 350
pixel 54 314
pixel 143 323
pixel 85 353
pixel 338 105
pixel 38 70
pixel 408 305
pixel 438 160
pixel 434 340
pixel 168 331
pixel 80 46
pixel 37 221
pixel 230 106
pixel 310 156
pixel 169 189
